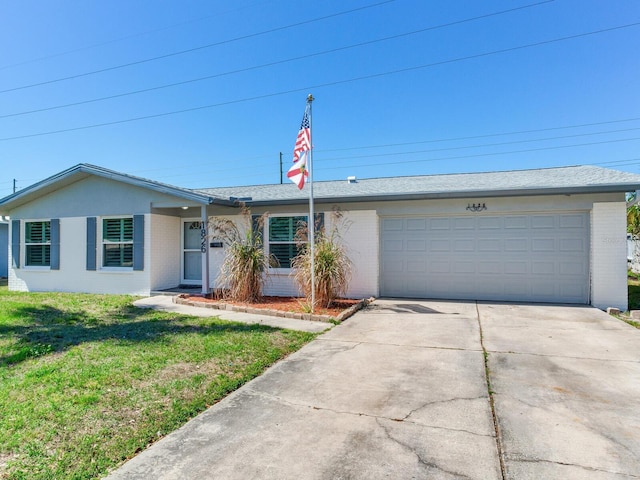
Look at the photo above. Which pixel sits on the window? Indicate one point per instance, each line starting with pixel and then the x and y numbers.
pixel 117 242
pixel 37 239
pixel 281 238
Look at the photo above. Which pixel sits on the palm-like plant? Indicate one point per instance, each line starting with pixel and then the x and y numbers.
pixel 242 273
pixel 332 266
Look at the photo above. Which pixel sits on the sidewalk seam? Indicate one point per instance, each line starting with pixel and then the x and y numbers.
pixel 498 437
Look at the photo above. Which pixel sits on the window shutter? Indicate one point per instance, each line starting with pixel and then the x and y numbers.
pixel 55 244
pixel 91 243
pixel 138 242
pixel 15 243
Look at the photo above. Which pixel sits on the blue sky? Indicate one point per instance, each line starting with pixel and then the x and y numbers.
pixel 402 87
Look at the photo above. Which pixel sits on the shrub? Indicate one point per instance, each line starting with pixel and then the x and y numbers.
pixel 332 266
pixel 242 273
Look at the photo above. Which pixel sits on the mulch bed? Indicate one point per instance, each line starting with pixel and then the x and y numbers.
pixel 289 307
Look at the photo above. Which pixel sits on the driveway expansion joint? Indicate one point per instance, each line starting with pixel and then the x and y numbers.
pixel 492 404
pixel 402 345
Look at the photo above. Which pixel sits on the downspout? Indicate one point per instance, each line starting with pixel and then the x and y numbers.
pixel 204 248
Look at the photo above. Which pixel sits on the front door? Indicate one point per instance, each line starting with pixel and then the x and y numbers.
pixel 191 254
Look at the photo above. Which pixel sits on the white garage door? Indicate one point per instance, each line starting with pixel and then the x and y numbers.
pixel 537 258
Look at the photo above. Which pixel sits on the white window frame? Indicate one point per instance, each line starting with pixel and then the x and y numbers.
pixel 23 226
pixel 266 243
pixel 101 242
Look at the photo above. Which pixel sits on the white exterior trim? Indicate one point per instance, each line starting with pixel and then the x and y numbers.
pixel 609 255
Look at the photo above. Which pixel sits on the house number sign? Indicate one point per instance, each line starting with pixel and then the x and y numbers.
pixel 203 238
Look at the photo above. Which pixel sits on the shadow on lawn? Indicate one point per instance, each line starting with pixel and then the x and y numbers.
pixel 51 330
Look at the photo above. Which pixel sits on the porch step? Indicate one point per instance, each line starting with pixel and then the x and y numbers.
pixel 172 292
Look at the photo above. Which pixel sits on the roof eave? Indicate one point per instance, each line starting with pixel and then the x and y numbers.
pixel 81 171
pixel 461 194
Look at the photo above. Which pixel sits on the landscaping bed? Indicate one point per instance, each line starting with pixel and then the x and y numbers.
pixel 288 307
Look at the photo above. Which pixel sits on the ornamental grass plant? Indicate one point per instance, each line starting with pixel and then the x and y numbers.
pixel 331 264
pixel 242 276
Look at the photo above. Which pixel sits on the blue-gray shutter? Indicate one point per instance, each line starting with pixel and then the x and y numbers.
pixel 138 242
pixel 55 244
pixel 15 243
pixel 91 242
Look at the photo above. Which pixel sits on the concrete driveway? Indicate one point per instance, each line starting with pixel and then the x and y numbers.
pixel 400 391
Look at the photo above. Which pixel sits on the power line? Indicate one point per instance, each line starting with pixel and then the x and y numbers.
pixel 126 37
pixel 322 85
pixel 344 160
pixel 194 49
pixel 474 137
pixel 478 155
pixel 278 62
pixel 488 144
pixel 490 135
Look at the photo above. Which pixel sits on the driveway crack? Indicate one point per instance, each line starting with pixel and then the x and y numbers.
pixel 590 469
pixel 405 419
pixel 491 399
pixel 421 460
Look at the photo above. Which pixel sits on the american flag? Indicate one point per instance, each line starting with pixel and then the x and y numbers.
pixel 303 142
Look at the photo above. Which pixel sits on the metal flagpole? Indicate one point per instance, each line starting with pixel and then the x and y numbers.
pixel 312 219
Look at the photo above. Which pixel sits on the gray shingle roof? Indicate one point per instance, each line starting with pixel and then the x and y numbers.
pixel 576 179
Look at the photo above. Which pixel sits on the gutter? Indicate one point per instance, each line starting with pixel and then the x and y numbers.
pixel 522 192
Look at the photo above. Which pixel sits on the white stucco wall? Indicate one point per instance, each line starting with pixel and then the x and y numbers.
pixel 359 235
pixel 73 276
pixel 165 251
pixel 609 255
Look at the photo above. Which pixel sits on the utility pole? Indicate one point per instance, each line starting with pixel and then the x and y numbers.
pixel 14 183
pixel 280 168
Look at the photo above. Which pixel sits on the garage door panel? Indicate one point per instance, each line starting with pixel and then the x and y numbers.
pixel 439 224
pixel 516 222
pixel 512 257
pixel 392 224
pixel 515 268
pixel 516 244
pixel 464 267
pixel 393 246
pixel 417 266
pixel 440 245
pixel 467 223
pixel 543 245
pixel 490 245
pixel 439 267
pixel 417 245
pixel 416 224
pixel 573 245
pixel 490 223
pixel 543 221
pixel 573 221
pixel 543 268
pixel 464 245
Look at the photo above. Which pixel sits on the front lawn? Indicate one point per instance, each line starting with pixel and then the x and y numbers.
pixel 87 381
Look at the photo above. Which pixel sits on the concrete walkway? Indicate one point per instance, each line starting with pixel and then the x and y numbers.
pixel 165 303
pixel 400 391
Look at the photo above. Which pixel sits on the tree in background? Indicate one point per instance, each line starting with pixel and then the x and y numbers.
pixel 633 228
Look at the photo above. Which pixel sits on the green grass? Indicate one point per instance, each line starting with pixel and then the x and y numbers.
pixel 88 381
pixel 634 298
